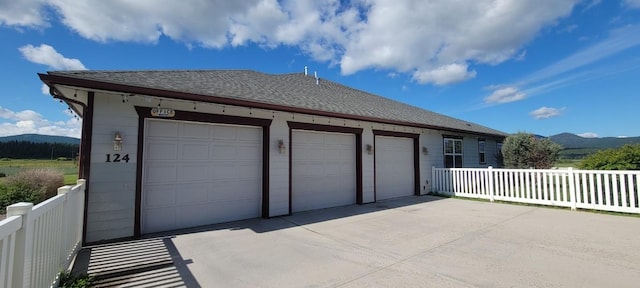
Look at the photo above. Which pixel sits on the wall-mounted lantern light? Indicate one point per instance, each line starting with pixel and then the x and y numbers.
pixel 117 142
pixel 425 151
pixel 281 147
pixel 369 149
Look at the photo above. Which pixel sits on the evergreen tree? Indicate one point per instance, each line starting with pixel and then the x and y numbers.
pixel 524 150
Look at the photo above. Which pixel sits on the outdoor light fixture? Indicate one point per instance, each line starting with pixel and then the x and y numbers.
pixel 281 147
pixel 425 151
pixel 117 142
pixel 369 149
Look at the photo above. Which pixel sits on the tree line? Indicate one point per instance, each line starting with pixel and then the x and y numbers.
pixel 33 150
pixel 524 150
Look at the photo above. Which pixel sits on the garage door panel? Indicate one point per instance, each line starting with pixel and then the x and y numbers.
pixel 223 152
pixel 163 129
pixel 313 153
pixel 323 170
pixel 249 152
pixel 315 170
pixel 191 193
pixel 195 151
pixel 195 131
pixel 161 196
pixel 214 177
pixel 190 172
pixel 162 150
pixel 236 172
pixel 313 138
pixel 161 173
pixel 247 171
pixel 231 190
pixel 194 215
pixel 235 210
pixel 394 167
pixel 223 132
pixel 247 135
pixel 159 219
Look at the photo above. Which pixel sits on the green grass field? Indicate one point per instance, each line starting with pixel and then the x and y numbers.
pixel 565 163
pixel 68 168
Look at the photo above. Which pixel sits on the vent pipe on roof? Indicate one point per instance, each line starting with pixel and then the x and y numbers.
pixel 315 73
pixel 305 70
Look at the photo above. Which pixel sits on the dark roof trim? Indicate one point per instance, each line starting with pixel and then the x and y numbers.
pixel 51 80
pixel 395 134
pixel 323 128
pixel 452 136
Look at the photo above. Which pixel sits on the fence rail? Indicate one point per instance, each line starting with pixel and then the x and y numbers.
pixel 37 242
pixel 617 191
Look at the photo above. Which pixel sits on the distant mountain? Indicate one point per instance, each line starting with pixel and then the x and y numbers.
pixel 572 141
pixel 38 138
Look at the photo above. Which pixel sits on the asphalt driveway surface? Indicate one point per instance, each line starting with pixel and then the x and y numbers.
pixel 414 242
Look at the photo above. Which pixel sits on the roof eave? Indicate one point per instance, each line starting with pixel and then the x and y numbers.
pixel 51 79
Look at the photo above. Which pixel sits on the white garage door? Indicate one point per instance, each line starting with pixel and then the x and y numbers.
pixel 394 167
pixel 199 173
pixel 323 170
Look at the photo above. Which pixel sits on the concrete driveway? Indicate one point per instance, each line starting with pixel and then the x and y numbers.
pixel 413 242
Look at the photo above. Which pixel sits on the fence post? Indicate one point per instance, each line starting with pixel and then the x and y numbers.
pixel 66 235
pixel 82 182
pixel 433 180
pixel 490 172
pixel 64 190
pixel 24 245
pixel 572 189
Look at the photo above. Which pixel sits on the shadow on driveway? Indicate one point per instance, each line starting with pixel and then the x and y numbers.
pixel 154 260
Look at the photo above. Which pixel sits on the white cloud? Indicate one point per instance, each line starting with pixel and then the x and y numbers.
pixel 422 35
pixel 44 89
pixel 443 75
pixel 25 115
pixel 591 4
pixel 430 40
pixel 573 68
pixel 632 3
pixel 29 121
pixel 588 135
pixel 47 55
pixel 202 22
pixel 505 95
pixel 546 112
pixel 22 13
pixel 619 40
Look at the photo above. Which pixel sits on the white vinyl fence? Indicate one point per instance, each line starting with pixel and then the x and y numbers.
pixel 616 191
pixel 38 242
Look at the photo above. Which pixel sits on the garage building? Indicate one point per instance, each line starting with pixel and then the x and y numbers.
pixel 167 150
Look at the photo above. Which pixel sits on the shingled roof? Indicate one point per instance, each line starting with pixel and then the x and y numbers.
pixel 285 92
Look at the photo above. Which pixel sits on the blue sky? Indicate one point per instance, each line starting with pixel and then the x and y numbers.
pixel 512 65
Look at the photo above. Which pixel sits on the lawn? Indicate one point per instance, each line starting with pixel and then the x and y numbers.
pixel 566 163
pixel 68 168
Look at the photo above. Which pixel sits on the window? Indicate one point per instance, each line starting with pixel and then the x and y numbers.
pixel 481 151
pixel 452 153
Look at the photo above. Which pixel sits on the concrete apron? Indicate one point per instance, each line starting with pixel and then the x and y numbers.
pixel 409 242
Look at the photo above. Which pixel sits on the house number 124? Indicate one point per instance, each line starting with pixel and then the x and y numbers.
pixel 115 158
